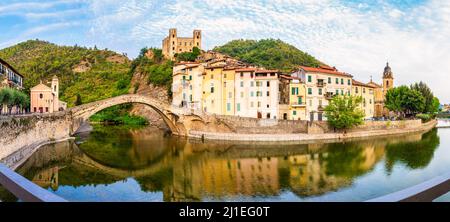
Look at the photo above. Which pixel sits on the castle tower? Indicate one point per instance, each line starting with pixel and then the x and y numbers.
pixel 55 92
pixel 173 39
pixel 388 79
pixel 197 36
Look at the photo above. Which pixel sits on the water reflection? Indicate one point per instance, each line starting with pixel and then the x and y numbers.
pixel 183 170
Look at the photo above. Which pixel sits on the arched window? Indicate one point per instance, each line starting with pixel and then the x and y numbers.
pixel 41 96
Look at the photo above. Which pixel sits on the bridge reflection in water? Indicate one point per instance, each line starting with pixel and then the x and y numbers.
pixel 183 170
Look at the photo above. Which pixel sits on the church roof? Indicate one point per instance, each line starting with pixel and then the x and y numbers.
pixel 41 87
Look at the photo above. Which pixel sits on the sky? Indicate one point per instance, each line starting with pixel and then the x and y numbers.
pixel 356 36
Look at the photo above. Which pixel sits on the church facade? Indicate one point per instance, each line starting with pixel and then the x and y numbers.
pixel 45 99
pixel 380 92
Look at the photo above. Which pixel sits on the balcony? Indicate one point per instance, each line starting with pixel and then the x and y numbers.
pixel 320 108
pixel 321 83
pixel 298 104
pixel 329 95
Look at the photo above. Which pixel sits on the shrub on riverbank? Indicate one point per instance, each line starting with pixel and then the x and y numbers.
pixel 424 117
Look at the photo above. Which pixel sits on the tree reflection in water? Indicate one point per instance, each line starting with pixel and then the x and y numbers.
pixel 186 170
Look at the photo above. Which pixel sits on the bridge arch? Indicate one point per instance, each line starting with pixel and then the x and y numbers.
pixel 81 114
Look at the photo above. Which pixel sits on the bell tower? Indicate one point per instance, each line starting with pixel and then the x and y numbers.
pixel 55 92
pixel 388 79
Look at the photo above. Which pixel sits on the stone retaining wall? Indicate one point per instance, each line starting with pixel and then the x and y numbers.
pixel 247 125
pixel 369 130
pixel 21 133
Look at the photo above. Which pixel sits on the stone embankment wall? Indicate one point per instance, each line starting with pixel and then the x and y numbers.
pixel 20 134
pixel 315 131
pixel 258 126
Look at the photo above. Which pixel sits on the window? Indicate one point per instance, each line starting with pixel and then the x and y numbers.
pixel 242 83
pixel 212 76
pixel 294 90
pixel 46 109
pixel 364 90
pixel 320 102
pixel 300 100
pixel 356 90
pixel 225 76
pixel 342 81
pixel 190 98
pixel 268 93
pixel 184 77
pixel 309 78
pixel 258 83
pixel 252 83
pixel 35 109
pixel 320 91
pixel 294 113
pixel 348 81
pixel 184 96
pixel 242 94
pixel 212 89
pixel 309 91
pixel 225 84
pixel 190 77
pixel 190 87
pixel 230 95
pixel 337 81
pixel 228 107
pixel 342 92
pixel 259 104
pixel 337 91
pixel 41 96
pixel 238 107
pixel 268 83
pixel 310 102
pixel 242 74
pixel 252 94
pixel 268 115
pixel 329 80
pixel 370 101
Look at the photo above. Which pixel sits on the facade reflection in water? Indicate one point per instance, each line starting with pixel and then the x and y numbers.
pixel 186 170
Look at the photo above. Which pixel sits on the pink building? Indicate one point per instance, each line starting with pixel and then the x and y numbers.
pixel 45 99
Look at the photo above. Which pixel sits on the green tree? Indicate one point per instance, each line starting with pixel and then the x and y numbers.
pixel 343 112
pixel 435 105
pixel 188 56
pixel 427 94
pixel 405 101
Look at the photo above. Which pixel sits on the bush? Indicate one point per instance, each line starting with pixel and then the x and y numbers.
pixel 343 112
pixel 424 117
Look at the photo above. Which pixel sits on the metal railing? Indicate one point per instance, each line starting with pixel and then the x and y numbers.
pixel 424 192
pixel 24 189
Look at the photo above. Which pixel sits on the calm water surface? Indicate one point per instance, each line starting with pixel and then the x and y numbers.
pixel 117 164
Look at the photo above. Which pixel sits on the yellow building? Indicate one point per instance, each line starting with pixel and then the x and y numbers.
pixel 294 106
pixel 45 99
pixel 172 44
pixel 366 92
pixel 212 97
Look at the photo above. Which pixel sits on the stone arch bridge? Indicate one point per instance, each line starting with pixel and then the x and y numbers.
pixel 20 135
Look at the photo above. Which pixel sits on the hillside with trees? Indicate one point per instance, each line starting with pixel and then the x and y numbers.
pixel 268 53
pixel 85 74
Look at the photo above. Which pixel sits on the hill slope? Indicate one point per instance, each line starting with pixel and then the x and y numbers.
pixel 92 73
pixel 269 53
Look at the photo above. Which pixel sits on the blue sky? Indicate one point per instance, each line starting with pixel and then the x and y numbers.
pixel 355 36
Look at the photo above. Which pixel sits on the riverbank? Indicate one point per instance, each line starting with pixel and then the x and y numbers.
pixel 306 137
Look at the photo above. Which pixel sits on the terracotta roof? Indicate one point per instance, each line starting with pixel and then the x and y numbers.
pixel 358 83
pixel 332 71
pixel 245 70
pixel 186 63
pixel 266 71
pixel 289 77
pixel 374 84
pixel 216 66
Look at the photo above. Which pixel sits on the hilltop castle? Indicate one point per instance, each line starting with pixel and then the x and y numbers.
pixel 172 44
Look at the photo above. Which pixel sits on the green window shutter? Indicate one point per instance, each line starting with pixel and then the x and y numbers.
pixel 309 91
pixel 238 107
pixel 329 80
pixel 309 79
pixel 228 106
pixel 294 113
pixel 300 100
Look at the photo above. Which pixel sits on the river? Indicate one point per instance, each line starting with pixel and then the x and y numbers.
pixel 119 164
